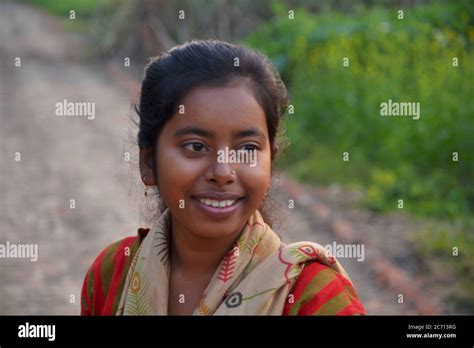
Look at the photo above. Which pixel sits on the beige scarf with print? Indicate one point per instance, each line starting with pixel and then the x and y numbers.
pixel 254 278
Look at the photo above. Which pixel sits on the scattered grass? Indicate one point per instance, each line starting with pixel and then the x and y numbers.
pixel 453 246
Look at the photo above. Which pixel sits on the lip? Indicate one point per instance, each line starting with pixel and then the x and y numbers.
pixel 215 212
pixel 221 196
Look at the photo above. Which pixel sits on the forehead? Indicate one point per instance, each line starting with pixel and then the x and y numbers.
pixel 221 108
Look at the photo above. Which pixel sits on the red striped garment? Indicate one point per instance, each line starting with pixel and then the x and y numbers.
pixel 319 290
pixel 105 279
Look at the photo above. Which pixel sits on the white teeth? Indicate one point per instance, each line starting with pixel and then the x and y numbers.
pixel 218 204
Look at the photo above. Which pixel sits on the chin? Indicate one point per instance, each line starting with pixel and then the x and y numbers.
pixel 216 229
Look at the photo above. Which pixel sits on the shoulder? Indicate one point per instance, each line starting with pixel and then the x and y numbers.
pixel 106 275
pixel 321 290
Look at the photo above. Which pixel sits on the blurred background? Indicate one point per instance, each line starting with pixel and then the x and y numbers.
pixel 71 185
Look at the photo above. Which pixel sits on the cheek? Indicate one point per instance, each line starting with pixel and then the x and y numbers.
pixel 175 174
pixel 256 179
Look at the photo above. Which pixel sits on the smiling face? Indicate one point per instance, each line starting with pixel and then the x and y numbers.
pixel 218 196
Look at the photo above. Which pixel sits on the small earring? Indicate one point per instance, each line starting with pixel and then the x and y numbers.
pixel 233 172
pixel 146 187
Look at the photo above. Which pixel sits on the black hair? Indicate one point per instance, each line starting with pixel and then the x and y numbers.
pixel 169 77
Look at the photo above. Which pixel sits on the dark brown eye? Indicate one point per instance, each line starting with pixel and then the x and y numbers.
pixel 249 147
pixel 195 147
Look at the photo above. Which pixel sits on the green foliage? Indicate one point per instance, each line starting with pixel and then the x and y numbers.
pixel 337 108
pixel 83 8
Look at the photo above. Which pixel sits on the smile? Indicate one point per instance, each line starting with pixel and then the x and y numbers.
pixel 218 203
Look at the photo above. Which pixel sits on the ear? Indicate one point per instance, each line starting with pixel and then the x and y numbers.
pixel 275 150
pixel 146 166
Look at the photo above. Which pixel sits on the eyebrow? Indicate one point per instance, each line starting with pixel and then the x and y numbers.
pixel 193 130
pixel 205 133
pixel 249 133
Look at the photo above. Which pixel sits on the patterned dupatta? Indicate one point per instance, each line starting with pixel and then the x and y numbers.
pixel 254 278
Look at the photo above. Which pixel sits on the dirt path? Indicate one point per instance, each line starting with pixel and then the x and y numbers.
pixel 58 164
pixel 56 159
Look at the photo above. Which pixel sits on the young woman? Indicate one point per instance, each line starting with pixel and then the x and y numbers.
pixel 211 251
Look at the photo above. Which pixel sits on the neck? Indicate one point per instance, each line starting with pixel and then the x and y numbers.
pixel 197 257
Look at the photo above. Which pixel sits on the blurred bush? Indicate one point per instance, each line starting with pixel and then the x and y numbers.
pixel 337 108
pixel 83 8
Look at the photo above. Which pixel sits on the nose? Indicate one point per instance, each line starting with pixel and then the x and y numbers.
pixel 220 174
